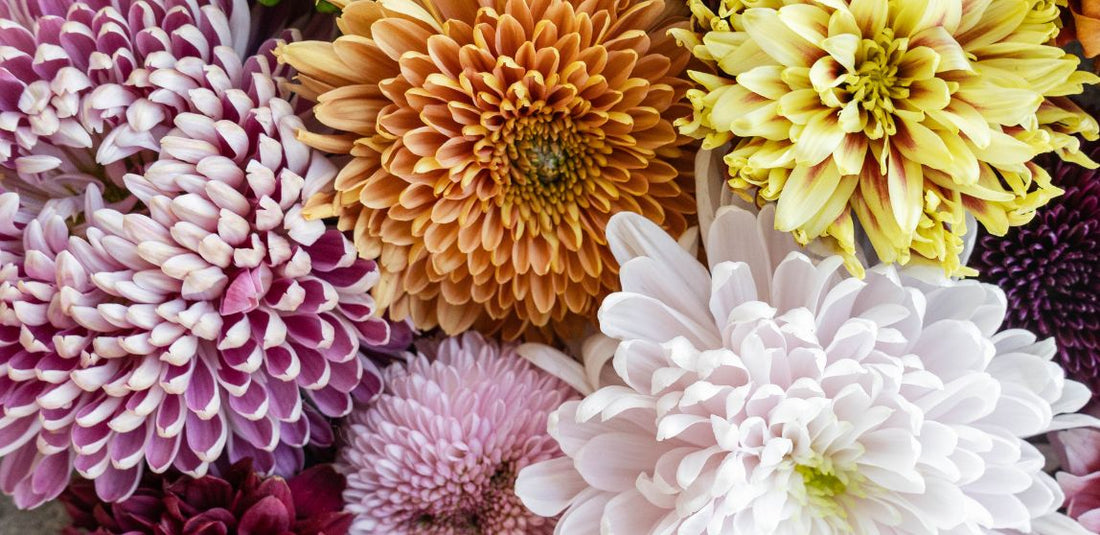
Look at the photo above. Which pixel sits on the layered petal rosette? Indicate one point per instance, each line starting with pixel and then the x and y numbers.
pixel 440 449
pixel 219 322
pixel 903 115
pixel 765 394
pixel 490 143
pixel 75 82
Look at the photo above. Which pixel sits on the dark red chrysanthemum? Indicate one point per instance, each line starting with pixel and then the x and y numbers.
pixel 1050 270
pixel 243 502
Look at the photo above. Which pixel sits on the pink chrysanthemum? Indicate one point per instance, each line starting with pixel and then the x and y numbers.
pixel 75 80
pixel 216 321
pixel 440 449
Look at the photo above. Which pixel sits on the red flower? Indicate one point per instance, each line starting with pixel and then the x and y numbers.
pixel 243 502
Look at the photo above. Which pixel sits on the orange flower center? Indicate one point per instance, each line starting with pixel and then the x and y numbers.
pixel 542 162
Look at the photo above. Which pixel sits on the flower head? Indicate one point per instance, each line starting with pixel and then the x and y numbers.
pixel 241 501
pixel 765 394
pixel 906 115
pixel 1050 271
pixel 217 320
pixel 438 452
pixel 75 82
pixel 491 141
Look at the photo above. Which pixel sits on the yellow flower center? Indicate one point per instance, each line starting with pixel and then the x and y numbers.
pixel 875 84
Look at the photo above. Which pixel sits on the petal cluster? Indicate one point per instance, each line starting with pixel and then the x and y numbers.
pixel 490 143
pixel 75 81
pixel 214 321
pixel 766 394
pixel 440 449
pixel 241 501
pixel 904 116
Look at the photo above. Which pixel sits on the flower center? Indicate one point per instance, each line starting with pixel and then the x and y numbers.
pixel 820 483
pixel 543 162
pixel 485 506
pixel 875 84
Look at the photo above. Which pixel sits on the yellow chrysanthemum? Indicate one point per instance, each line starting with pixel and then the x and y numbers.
pixel 491 140
pixel 906 114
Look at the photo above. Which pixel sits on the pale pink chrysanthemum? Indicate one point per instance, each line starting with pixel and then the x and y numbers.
pixel 439 450
pixel 74 87
pixel 766 394
pixel 217 320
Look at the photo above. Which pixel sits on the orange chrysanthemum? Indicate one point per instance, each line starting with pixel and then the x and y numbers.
pixel 491 141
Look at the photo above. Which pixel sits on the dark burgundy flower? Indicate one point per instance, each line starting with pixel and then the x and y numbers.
pixel 243 502
pixel 1050 270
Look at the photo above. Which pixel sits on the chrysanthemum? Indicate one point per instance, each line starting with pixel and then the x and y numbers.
pixel 905 115
pixel 239 502
pixel 74 87
pixel 1050 271
pixel 219 322
pixel 439 450
pixel 765 394
pixel 491 141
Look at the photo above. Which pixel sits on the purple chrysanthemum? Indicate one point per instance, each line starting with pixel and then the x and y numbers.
pixel 438 452
pixel 215 320
pixel 1050 271
pixel 75 106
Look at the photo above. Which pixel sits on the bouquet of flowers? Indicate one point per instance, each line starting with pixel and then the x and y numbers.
pixel 607 267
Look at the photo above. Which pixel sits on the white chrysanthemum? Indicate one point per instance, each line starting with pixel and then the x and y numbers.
pixel 769 395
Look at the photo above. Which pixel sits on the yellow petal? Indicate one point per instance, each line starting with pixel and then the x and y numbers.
pixel 819 139
pixel 806 190
pixel 870 15
pixel 905 180
pixel 784 44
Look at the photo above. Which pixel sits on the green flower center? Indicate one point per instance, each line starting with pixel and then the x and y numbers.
pixel 820 483
pixel 828 486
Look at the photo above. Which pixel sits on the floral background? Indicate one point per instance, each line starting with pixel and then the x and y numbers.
pixel 213 233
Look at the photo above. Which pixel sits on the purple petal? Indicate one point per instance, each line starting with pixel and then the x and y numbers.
pixel 116 485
